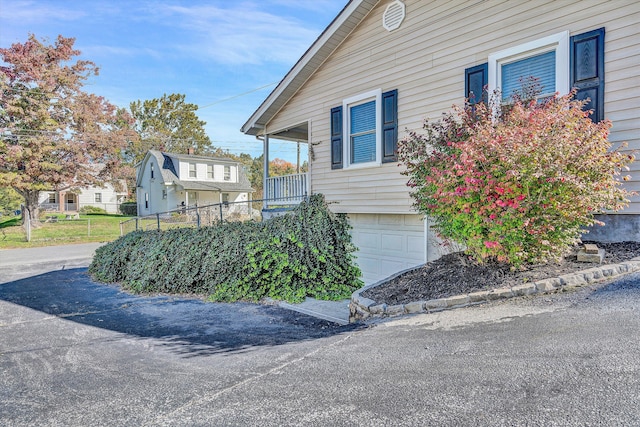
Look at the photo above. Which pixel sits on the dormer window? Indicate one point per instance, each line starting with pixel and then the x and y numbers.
pixel 192 170
pixel 227 173
pixel 210 171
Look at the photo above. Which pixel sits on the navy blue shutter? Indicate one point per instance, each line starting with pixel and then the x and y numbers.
pixel 336 138
pixel 475 80
pixel 586 64
pixel 389 126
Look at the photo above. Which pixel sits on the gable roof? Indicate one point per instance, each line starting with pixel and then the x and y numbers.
pixel 170 175
pixel 339 29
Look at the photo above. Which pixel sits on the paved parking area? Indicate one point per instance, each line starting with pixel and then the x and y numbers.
pixel 77 353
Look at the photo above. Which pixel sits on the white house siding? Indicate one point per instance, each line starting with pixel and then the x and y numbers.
pixel 425 60
pixel 109 198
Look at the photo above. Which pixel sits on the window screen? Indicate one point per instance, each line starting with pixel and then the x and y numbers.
pixel 542 67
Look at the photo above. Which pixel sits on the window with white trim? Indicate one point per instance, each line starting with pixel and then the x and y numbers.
pixel 98 197
pixel 362 129
pixel 227 173
pixel 192 170
pixel 546 59
pixel 210 171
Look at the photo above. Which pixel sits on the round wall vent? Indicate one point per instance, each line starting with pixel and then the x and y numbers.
pixel 393 15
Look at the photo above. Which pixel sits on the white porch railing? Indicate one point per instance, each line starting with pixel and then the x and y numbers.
pixel 287 189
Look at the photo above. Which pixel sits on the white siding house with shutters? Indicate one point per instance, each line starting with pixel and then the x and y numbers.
pixel 382 66
pixel 169 181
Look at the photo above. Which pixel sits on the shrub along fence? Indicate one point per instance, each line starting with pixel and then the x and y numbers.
pixel 305 252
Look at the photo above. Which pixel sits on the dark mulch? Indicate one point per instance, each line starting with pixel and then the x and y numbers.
pixel 456 274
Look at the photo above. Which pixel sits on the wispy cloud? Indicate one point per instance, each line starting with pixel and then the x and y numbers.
pixel 237 33
pixel 34 12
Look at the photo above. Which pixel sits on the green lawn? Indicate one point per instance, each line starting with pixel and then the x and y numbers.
pixel 88 228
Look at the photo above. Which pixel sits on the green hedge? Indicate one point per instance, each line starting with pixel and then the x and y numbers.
pixel 307 252
pixel 129 208
pixel 92 210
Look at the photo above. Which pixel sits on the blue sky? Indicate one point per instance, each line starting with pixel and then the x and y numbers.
pixel 215 52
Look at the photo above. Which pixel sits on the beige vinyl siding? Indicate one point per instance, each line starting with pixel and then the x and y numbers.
pixel 425 60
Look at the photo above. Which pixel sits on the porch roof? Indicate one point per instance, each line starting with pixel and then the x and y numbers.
pixel 346 21
pixel 237 187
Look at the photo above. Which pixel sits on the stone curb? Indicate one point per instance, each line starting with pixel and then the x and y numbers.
pixel 362 308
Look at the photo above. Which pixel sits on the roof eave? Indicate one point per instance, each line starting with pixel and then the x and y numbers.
pixel 313 58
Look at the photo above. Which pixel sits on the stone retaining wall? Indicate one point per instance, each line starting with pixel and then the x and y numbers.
pixel 362 308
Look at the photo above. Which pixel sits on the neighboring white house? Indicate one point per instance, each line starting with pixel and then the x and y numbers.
pixel 382 66
pixel 169 181
pixel 72 200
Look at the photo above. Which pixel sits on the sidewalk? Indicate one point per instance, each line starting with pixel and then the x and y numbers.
pixel 18 264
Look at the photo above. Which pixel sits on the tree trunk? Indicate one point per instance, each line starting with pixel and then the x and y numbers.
pixel 31 207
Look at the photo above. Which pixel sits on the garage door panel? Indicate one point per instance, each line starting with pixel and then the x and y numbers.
pixel 387 244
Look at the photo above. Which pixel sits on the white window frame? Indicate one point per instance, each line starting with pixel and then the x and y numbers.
pixel 97 197
pixel 211 172
pixel 558 42
pixel 227 173
pixel 374 95
pixel 195 170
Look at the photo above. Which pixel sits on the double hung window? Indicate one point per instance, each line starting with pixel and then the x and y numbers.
pixel 546 60
pixel 558 63
pixel 364 130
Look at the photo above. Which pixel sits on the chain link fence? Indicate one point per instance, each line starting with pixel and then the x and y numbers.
pixel 200 216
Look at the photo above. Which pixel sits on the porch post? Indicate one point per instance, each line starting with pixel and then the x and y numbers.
pixel 266 171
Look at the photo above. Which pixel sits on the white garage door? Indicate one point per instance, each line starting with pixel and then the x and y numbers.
pixel 387 244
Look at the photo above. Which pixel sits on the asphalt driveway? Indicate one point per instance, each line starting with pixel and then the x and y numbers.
pixel 188 325
pixel 77 353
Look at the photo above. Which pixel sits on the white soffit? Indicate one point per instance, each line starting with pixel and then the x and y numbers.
pixel 393 15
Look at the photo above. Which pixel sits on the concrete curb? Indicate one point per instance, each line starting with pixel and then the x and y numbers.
pixel 361 308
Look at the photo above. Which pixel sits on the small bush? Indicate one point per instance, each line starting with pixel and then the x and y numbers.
pixel 129 208
pixel 519 187
pixel 307 252
pixel 92 210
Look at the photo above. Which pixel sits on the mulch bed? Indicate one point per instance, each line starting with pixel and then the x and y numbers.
pixel 456 274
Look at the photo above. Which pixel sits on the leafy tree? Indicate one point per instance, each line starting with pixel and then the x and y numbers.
pixel 515 183
pixel 55 134
pixel 167 124
pixel 10 200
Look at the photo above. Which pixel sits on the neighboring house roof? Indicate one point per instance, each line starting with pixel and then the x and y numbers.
pixel 170 175
pixel 348 19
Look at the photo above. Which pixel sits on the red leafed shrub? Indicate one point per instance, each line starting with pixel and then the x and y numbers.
pixel 515 183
